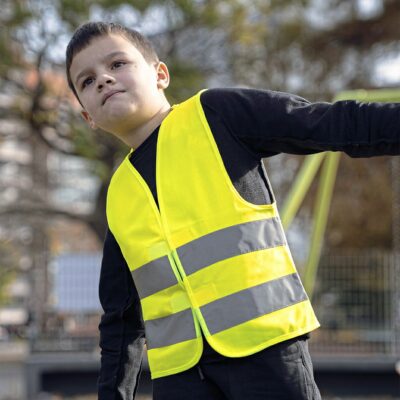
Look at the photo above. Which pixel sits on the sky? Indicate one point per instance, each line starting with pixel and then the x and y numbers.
pixel 388 72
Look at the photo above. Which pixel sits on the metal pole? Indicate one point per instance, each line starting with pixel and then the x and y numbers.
pixel 300 187
pixel 322 207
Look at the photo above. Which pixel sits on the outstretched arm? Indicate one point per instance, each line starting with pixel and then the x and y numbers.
pixel 269 122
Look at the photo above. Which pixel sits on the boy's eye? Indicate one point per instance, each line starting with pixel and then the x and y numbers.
pixel 117 64
pixel 86 82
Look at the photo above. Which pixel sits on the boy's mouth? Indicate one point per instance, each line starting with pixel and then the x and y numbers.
pixel 109 94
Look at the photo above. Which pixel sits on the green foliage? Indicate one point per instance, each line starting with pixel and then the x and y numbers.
pixel 6 56
pixel 74 12
pixel 9 21
pixel 84 140
pixel 6 277
pixel 18 15
pixel 186 80
pixel 8 269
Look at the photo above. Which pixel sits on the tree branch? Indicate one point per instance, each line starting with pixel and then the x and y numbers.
pixel 38 210
pixel 361 33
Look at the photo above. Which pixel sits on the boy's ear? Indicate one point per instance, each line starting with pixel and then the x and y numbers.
pixel 162 75
pixel 88 119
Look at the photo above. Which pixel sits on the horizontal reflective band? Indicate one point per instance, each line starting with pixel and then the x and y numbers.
pixel 230 242
pixel 254 302
pixel 173 329
pixel 154 276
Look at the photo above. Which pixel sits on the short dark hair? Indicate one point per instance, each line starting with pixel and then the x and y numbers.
pixel 90 30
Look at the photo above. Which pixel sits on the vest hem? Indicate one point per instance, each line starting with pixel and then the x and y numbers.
pixel 257 349
pixel 270 342
pixel 182 368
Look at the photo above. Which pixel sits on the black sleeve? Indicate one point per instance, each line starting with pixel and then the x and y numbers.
pixel 121 327
pixel 269 122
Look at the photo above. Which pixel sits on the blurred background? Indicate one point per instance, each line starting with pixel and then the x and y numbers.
pixel 54 173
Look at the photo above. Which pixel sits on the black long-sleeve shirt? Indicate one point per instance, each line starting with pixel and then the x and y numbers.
pixel 247 125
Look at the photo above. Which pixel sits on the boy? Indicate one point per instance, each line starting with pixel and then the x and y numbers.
pixel 195 258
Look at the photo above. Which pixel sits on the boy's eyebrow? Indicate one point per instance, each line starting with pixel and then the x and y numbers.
pixel 108 56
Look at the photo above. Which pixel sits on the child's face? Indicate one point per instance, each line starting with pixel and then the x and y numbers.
pixel 119 90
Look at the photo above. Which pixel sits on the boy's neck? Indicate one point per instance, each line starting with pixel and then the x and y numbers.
pixel 135 138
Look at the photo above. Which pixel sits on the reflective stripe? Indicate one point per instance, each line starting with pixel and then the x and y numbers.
pixel 174 328
pixel 154 276
pixel 230 242
pixel 253 302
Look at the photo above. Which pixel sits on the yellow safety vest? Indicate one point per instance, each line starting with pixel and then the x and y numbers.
pixel 206 259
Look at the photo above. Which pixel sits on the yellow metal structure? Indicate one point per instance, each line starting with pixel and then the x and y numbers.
pixel 308 171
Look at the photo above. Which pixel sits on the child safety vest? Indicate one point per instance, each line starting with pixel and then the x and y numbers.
pixel 206 260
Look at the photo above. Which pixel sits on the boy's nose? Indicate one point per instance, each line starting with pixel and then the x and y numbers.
pixel 102 82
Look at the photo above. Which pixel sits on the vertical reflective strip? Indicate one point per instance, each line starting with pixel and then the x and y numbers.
pixel 154 276
pixel 169 330
pixel 253 302
pixel 230 242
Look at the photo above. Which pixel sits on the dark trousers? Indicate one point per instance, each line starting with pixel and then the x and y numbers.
pixel 281 372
